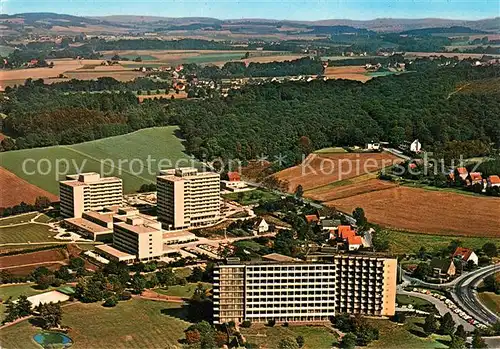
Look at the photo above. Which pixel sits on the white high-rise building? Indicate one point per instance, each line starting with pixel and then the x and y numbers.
pixel 88 191
pixel 188 198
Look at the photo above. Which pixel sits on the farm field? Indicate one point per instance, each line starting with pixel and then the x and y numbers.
pixel 120 156
pixel 321 169
pixel 402 242
pixel 70 68
pixel 316 337
pixel 347 72
pixel 16 190
pixel 348 188
pixel 47 256
pixel 133 324
pixel 426 211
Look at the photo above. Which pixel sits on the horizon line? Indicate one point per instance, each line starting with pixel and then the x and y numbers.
pixel 262 18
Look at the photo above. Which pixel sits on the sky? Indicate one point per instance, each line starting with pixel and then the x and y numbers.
pixel 270 9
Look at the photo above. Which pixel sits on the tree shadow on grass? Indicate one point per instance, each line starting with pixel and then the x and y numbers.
pixel 179 313
pixel 443 341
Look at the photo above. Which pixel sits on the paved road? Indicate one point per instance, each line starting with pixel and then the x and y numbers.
pixel 441 307
pixel 465 295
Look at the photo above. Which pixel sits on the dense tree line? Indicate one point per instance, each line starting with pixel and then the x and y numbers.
pixel 273 118
pixel 302 66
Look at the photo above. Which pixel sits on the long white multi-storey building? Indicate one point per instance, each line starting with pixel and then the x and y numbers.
pixel 304 291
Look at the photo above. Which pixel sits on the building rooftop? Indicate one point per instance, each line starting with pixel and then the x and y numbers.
pixel 113 251
pixel 494 179
pixel 138 229
pixel 106 217
pixel 280 258
pixel 462 252
pixel 178 234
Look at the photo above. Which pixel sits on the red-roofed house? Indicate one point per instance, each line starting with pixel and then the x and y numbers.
pixel 310 218
pixel 354 242
pixel 493 181
pixel 465 254
pixel 344 231
pixel 462 173
pixel 234 176
pixel 475 178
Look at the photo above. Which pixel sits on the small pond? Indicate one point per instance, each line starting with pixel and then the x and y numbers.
pixel 53 339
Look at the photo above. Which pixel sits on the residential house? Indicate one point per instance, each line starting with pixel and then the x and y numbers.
pixel 493 181
pixel 330 224
pixel 462 173
pixel 474 178
pixel 372 146
pixel 415 146
pixel 354 242
pixel 443 269
pixel 261 226
pixel 312 218
pixel 466 255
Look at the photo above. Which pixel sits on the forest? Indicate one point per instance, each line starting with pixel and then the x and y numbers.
pixel 272 119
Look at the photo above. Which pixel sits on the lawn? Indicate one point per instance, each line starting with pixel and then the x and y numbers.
pixel 490 300
pixel 251 197
pixel 415 301
pixel 404 242
pixel 185 291
pixel 132 324
pixel 395 336
pixel 21 218
pixel 14 291
pixel 316 337
pixel 29 232
pixel 43 218
pixel 125 156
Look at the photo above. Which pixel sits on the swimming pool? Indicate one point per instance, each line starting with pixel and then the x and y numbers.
pixel 49 339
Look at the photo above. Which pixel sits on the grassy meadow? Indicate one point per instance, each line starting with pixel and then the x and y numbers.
pixel 133 324
pixel 120 156
pixel 24 233
pixel 403 242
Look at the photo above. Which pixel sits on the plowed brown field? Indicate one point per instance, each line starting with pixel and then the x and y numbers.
pixel 321 169
pixel 338 192
pixel 48 256
pixel 425 211
pixel 16 190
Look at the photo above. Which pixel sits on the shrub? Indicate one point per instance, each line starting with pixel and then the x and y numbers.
pixel 271 322
pixel 110 302
pixel 125 296
pixel 285 324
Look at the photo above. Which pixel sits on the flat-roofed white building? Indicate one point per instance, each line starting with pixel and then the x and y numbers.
pixel 139 236
pixel 304 292
pixel 178 237
pixel 88 191
pixel 188 198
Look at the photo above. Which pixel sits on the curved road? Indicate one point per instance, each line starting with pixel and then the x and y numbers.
pixel 466 296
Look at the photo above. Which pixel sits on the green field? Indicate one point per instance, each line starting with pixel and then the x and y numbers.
pixel 185 291
pixel 24 233
pixel 21 218
pixel 5 50
pixel 133 324
pixel 44 219
pixel 213 57
pixel 395 336
pixel 120 156
pixel 316 337
pixel 403 242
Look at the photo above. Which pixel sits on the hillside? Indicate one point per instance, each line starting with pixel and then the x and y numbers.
pixel 121 156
